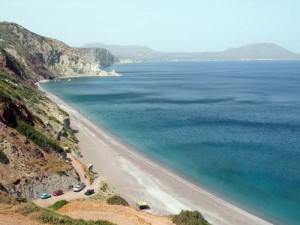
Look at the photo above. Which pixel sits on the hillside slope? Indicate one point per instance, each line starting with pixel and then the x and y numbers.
pixel 33 57
pixel 33 132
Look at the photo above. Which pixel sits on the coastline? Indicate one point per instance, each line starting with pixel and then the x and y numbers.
pixel 135 177
pixel 108 74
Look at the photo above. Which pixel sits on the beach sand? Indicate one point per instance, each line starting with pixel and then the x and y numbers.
pixel 137 178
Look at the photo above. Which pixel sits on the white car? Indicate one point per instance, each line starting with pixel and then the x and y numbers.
pixel 79 187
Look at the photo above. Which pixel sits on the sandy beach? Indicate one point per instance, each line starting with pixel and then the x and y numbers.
pixel 136 178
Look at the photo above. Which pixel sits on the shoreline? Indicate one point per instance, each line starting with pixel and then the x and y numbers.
pixel 136 177
pixel 69 77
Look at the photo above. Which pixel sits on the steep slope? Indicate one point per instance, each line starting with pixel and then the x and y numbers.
pixel 33 132
pixel 248 52
pixel 34 57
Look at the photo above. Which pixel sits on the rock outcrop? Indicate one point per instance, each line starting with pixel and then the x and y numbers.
pixel 33 187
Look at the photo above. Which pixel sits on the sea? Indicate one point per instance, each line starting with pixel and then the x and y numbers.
pixel 232 127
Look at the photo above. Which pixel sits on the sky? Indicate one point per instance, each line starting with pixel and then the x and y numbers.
pixel 164 25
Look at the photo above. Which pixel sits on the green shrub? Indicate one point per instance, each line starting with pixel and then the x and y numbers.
pixel 3 158
pixel 63 112
pixel 38 138
pixel 104 187
pixel 116 200
pixel 70 133
pixel 21 200
pixel 60 172
pixel 186 217
pixel 54 119
pixel 59 204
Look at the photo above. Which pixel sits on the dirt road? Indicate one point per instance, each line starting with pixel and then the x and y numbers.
pixel 71 195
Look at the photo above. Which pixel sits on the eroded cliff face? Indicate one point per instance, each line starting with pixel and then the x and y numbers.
pixel 34 57
pixel 32 188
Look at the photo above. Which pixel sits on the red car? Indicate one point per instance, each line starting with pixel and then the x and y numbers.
pixel 58 192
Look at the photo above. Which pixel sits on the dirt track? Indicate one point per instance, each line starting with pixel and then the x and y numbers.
pixel 71 195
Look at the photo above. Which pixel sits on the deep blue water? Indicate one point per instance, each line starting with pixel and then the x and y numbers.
pixel 233 127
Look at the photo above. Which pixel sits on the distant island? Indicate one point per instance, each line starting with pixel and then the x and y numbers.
pixel 136 53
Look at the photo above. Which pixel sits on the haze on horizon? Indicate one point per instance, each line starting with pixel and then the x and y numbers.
pixel 164 25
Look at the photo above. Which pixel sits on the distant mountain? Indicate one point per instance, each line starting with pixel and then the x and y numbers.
pixel 260 51
pixel 125 51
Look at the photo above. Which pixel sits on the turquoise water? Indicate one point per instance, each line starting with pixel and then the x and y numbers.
pixel 232 127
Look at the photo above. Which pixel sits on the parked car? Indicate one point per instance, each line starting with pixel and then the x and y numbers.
pixel 45 195
pixel 58 192
pixel 79 187
pixel 89 192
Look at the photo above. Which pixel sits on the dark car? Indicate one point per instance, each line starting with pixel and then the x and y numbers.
pixel 89 192
pixel 58 192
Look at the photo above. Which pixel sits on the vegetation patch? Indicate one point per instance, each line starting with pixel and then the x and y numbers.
pixel 97 197
pixel 3 158
pixel 186 217
pixel 63 112
pixel 59 204
pixel 71 135
pixel 117 200
pixel 38 138
pixel 54 119
pixel 104 187
pixel 51 217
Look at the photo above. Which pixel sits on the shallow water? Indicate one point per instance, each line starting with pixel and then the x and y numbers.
pixel 233 127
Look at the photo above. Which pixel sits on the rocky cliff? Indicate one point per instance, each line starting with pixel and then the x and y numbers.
pixel 34 57
pixel 34 134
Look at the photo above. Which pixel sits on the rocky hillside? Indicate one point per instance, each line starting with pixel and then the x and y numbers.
pixel 34 134
pixel 33 57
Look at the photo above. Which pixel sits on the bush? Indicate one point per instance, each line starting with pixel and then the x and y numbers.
pixel 3 158
pixel 21 199
pixel 59 204
pixel 116 200
pixel 189 218
pixel 104 187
